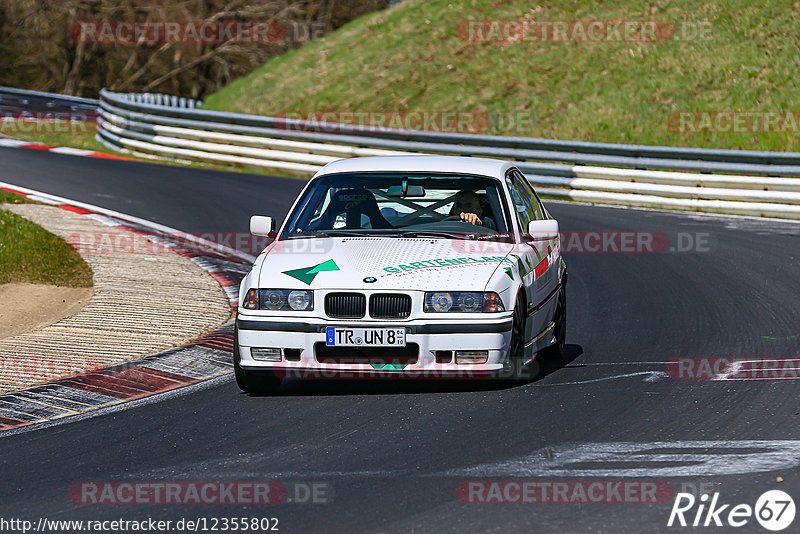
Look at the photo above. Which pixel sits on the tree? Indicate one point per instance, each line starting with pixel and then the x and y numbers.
pixel 43 47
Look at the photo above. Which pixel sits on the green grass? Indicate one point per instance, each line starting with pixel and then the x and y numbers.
pixel 61 133
pixel 412 58
pixel 13 198
pixel 28 253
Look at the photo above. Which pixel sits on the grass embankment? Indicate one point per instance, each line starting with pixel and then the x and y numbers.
pixel 28 253
pixel 414 57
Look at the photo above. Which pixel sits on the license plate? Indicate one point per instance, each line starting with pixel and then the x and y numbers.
pixel 365 337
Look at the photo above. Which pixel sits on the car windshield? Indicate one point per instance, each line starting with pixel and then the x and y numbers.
pixel 401 204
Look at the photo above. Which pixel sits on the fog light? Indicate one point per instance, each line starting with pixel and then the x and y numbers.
pixel 266 355
pixel 472 356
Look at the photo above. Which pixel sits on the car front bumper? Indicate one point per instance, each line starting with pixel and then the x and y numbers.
pixel 304 339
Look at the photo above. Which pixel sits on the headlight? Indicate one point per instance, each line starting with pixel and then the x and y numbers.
pixel 301 300
pixel 438 302
pixel 462 302
pixel 278 300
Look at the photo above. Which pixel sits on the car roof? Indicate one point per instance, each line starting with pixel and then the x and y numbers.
pixel 456 164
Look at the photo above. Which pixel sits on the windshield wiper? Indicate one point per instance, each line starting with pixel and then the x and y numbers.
pixel 345 233
pixel 427 233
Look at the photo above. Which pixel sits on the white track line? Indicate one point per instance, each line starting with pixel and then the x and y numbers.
pixel 135 220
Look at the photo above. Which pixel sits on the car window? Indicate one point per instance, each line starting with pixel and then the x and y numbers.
pixel 398 203
pixel 526 206
pixel 395 211
pixel 541 212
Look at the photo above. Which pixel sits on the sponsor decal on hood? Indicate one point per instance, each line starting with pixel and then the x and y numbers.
pixel 440 262
pixel 307 274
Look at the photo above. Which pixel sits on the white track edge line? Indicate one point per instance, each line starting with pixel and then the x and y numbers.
pixel 136 220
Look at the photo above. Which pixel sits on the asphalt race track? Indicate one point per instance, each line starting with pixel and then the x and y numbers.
pixel 393 453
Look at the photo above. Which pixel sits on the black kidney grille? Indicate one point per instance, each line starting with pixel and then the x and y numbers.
pixel 345 305
pixel 389 306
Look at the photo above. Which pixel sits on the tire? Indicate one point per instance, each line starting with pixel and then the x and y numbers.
pixel 556 351
pixel 516 370
pixel 260 383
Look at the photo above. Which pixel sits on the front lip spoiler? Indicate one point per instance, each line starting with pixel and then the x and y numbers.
pixel 276 326
pixel 315 373
pixel 450 328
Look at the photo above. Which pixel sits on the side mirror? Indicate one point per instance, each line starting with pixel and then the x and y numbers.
pixel 543 230
pixel 261 225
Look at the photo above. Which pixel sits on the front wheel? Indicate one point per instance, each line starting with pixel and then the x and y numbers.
pixel 516 369
pixel 255 383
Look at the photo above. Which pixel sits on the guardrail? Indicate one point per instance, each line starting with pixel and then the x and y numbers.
pixel 751 183
pixel 35 104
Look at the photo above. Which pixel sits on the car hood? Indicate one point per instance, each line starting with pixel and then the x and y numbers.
pixel 393 263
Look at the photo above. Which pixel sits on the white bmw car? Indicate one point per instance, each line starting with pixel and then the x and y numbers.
pixel 407 266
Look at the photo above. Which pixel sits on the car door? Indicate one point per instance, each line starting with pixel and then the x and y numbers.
pixel 535 258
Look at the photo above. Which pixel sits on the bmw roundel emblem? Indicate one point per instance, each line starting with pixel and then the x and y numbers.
pixel 370 279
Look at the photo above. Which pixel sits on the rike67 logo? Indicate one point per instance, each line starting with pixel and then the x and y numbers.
pixel 774 510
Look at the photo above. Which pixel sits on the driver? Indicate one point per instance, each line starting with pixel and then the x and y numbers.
pixel 467 205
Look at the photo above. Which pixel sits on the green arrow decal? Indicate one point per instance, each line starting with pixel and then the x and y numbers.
pixel 329 265
pixel 307 274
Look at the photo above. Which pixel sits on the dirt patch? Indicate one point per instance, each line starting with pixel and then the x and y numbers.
pixel 25 307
